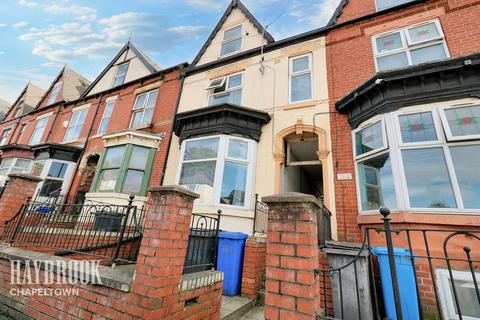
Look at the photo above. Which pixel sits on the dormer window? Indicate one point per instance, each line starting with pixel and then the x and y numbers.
pixel 232 40
pixel 55 92
pixel 120 74
pixel 227 89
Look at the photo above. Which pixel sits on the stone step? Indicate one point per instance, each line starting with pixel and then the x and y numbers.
pixel 233 308
pixel 261 298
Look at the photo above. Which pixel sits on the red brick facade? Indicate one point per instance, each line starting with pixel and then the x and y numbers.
pixel 253 267
pixel 350 62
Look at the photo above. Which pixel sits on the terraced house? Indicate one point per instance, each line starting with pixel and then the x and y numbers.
pixel 252 119
pixel 77 138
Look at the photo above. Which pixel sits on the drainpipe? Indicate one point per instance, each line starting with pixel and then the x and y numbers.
pixel 171 128
pixel 86 142
pixel 54 120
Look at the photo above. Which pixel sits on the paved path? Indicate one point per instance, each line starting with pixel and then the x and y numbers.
pixel 254 314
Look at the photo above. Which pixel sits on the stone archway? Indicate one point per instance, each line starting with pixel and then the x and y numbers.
pixel 300 129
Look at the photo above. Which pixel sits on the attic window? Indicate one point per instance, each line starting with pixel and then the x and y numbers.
pixel 232 40
pixel 54 94
pixel 120 75
pixel 19 109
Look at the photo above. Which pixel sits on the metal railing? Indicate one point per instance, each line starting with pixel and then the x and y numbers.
pixel 202 243
pixel 106 231
pixel 354 290
pixel 324 227
pixel 260 216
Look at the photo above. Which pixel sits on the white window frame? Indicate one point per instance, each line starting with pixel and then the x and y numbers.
pixel 12 165
pixel 117 75
pixel 67 178
pixel 143 108
pixel 42 117
pixel 111 102
pixel 55 91
pixel 408 45
pixel 365 125
pixel 377 9
pixel 240 36
pixel 79 110
pixel 446 126
pixel 292 74
pixel 446 296
pixel 222 157
pixel 225 82
pixel 4 139
pixel 395 147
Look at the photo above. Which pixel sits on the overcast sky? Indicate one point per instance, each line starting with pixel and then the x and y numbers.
pixel 39 37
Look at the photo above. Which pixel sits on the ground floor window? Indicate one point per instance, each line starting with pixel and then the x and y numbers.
pixel 465 289
pixel 56 175
pixel 125 169
pixel 219 168
pixel 413 159
pixel 13 165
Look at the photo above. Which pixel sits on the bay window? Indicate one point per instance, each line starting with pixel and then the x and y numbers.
pixel 227 89
pixel 125 169
pixel 410 46
pixel 13 165
pixel 420 158
pixel 143 109
pixel 53 182
pixel 219 168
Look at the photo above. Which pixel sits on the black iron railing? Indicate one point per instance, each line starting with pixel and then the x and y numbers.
pixel 354 289
pixel 106 231
pixel 260 216
pixel 202 243
pixel 324 228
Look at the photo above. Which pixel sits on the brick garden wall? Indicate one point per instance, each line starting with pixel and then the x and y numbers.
pixel 253 267
pixel 158 290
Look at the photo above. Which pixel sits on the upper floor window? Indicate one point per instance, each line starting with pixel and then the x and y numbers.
pixel 409 46
pixel 55 92
pixel 219 168
pixel 38 131
pixel 106 117
pixel 232 40
pixel 5 135
pixel 227 89
pixel 385 4
pixel 300 78
pixel 18 109
pixel 75 125
pixel 120 74
pixel 143 109
pixel 125 169
pixel 422 158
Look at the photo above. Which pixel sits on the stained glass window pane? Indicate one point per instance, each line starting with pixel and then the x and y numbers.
pixel 389 42
pixel 464 121
pixel 417 127
pixel 424 32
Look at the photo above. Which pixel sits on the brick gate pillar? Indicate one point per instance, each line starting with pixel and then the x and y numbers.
pixel 253 266
pixel 159 269
pixel 18 189
pixel 291 290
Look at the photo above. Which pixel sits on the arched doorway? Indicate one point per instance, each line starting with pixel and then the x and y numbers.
pixel 88 173
pixel 301 161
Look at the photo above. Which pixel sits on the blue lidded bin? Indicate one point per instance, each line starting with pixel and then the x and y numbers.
pixel 230 260
pixel 406 282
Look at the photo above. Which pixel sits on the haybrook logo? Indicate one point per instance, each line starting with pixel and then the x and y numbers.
pixel 39 275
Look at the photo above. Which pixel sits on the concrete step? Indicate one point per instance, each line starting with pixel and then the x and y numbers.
pixel 261 297
pixel 233 308
pixel 256 313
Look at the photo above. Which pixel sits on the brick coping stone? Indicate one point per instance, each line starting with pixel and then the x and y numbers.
pixel 25 176
pixel 115 278
pixel 291 197
pixel 174 189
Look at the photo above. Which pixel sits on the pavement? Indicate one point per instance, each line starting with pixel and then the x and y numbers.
pixel 254 314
